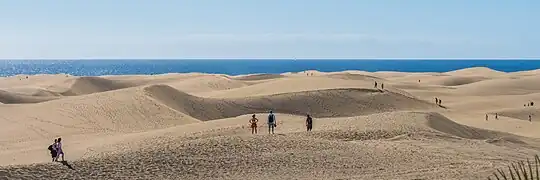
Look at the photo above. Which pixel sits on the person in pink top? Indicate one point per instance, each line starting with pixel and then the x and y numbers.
pixel 59 150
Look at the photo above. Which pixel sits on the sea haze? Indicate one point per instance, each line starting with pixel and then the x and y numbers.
pixel 236 67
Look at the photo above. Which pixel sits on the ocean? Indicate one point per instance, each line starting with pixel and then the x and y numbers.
pixel 236 67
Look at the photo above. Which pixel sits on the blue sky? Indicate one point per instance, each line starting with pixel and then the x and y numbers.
pixel 269 29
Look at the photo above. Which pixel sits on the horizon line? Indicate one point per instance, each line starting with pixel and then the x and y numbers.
pixel 85 59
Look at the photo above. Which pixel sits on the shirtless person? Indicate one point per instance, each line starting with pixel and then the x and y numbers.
pixel 253 121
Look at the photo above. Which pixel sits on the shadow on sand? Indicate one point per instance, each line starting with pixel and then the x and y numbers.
pixel 65 163
pixel 442 106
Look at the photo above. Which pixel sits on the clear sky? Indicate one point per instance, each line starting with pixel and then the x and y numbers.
pixel 269 29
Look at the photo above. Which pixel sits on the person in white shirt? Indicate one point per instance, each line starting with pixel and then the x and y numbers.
pixel 59 150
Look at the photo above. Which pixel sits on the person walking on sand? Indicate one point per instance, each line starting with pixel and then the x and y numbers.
pixel 496 116
pixel 375 84
pixel 253 121
pixel 486 117
pixel 271 122
pixel 436 100
pixel 440 102
pixel 309 123
pixel 52 148
pixel 382 85
pixel 59 150
pixel 530 118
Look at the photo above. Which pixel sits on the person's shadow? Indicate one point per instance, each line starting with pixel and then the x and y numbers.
pixel 65 163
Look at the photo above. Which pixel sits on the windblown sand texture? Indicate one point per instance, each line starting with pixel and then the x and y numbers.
pixel 195 126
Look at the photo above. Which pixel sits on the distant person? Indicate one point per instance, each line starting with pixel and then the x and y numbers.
pixel 496 116
pixel 532 103
pixel 440 102
pixel 487 117
pixel 375 84
pixel 382 85
pixel 530 118
pixel 271 122
pixel 253 121
pixel 309 123
pixel 419 81
pixel 59 150
pixel 52 149
pixel 436 100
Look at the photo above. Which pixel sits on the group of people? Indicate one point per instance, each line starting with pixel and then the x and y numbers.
pixel 529 104
pixel 496 116
pixel 376 85
pixel 438 101
pixel 56 150
pixel 272 123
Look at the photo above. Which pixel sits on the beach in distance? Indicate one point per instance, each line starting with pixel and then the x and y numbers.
pixel 165 119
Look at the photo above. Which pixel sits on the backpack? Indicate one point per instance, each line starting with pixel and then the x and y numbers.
pixel 271 118
pixel 50 148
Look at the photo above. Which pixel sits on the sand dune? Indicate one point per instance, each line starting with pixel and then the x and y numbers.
pixel 33 91
pixel 291 84
pixel 525 73
pixel 257 77
pixel 502 86
pixel 195 126
pixel 351 76
pixel 521 113
pixel 141 80
pixel 455 80
pixel 320 103
pixel 89 85
pixel 126 110
pixel 475 71
pixel 207 84
pixel 15 98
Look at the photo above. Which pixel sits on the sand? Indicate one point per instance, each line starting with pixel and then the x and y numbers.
pixel 195 125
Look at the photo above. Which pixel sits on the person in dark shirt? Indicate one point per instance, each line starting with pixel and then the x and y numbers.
pixel 52 148
pixel 272 123
pixel 309 123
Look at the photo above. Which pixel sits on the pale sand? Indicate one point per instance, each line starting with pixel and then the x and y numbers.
pixel 195 126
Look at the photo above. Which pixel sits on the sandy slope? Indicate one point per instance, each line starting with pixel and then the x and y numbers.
pixel 17 98
pixel 195 126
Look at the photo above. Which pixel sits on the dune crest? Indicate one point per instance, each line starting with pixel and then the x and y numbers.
pixel 89 85
pixel 503 86
pixel 14 98
pixel 474 71
pixel 257 77
pixel 351 102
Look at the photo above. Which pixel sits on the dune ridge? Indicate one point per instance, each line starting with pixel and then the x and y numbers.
pixel 15 98
pixel 351 102
pixel 258 77
pixel 89 85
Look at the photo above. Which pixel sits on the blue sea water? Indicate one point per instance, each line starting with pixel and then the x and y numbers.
pixel 235 67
